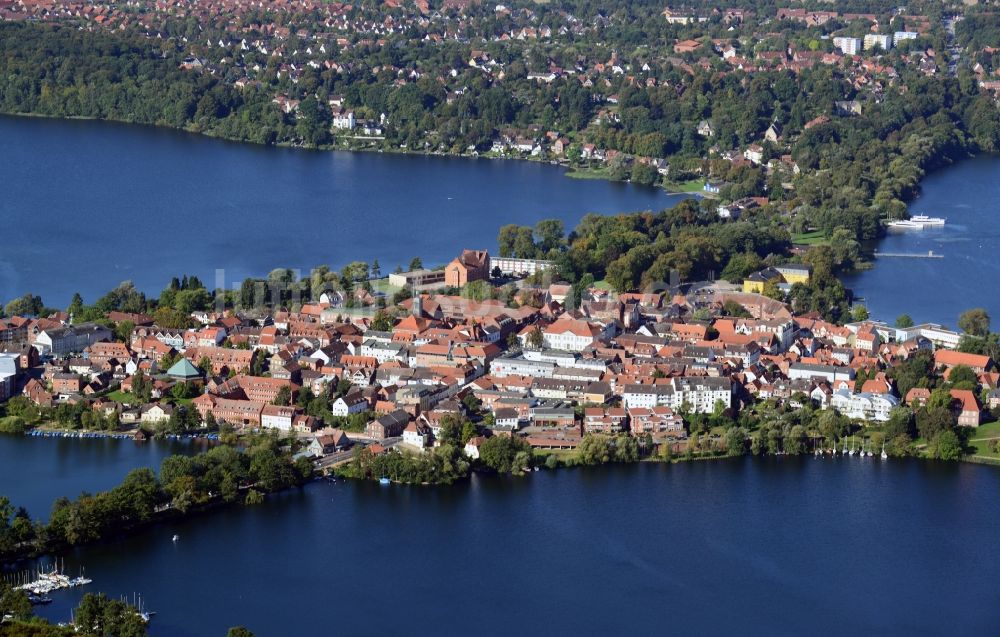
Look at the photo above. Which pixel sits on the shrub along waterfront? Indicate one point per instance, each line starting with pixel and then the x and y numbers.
pixel 222 475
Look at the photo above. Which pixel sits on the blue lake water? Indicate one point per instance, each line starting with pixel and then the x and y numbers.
pixel 938 290
pixel 744 546
pixel 36 471
pixel 86 205
pixel 775 546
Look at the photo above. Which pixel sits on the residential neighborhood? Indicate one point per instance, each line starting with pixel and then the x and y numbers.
pixel 656 366
pixel 518 297
pixel 285 47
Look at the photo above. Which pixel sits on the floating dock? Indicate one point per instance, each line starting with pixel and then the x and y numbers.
pixel 910 255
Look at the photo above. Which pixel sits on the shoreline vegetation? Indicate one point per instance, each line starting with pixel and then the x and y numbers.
pixel 823 157
pixel 190 486
pixel 690 187
pixel 760 428
pixel 185 486
pixel 808 160
pixel 95 616
pixel 808 149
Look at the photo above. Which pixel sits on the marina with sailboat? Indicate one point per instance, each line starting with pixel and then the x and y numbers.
pixel 39 583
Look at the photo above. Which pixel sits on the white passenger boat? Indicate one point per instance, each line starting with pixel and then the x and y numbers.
pixel 918 222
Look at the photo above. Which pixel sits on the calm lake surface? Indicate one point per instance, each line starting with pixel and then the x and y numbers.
pixel 765 546
pixel 938 290
pixel 86 205
pixel 777 546
pixel 36 471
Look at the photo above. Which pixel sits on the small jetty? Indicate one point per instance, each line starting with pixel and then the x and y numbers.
pixel 39 583
pixel 910 255
pixel 46 433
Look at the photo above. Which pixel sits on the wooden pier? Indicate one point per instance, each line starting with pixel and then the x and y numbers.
pixel 911 255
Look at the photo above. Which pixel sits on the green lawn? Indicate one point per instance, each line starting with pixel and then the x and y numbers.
pixel 120 397
pixel 691 185
pixel 382 285
pixel 980 439
pixel 810 238
pixel 989 430
pixel 588 173
pixel 563 455
pixel 123 397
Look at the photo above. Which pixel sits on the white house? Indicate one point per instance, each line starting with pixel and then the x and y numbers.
pixel 353 403
pixel 571 335
pixel 417 435
pixel 211 336
pixel 754 153
pixel 933 332
pixel 728 212
pixel 694 394
pixel 510 265
pixel 506 418
pixel 829 373
pixel 156 413
pixel 8 375
pixel 278 417
pixel 863 406
pixel 344 120
pixel 382 352
pixel 472 447
pixel 505 366
pixel 73 338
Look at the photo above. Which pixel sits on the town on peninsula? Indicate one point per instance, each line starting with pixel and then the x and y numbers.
pixel 794 135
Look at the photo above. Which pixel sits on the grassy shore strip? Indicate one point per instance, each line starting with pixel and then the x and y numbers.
pixel 690 187
pixel 588 173
pixel 810 239
pixel 987 460
pixel 986 443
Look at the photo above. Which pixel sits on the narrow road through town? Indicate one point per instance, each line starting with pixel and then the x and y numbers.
pixel 360 442
pixel 954 52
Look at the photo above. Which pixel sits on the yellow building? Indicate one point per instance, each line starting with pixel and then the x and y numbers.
pixel 794 273
pixel 755 282
pixel 789 274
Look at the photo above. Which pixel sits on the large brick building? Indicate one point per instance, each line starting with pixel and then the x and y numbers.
pixel 234 412
pixel 471 265
pixel 223 359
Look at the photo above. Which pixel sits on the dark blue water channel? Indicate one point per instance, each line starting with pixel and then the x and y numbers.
pixel 748 546
pixel 85 205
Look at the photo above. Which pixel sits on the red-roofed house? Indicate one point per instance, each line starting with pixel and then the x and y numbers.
pixel 917 397
pixel 571 334
pixel 970 413
pixel 949 358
